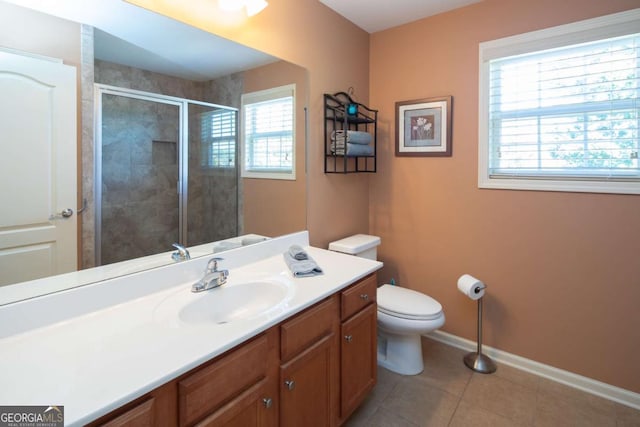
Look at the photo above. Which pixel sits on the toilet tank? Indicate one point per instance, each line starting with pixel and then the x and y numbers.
pixel 361 245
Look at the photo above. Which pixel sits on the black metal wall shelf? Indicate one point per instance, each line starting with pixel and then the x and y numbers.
pixel 342 113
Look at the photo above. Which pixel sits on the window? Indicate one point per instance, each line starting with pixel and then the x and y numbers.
pixel 268 146
pixel 560 108
pixel 218 139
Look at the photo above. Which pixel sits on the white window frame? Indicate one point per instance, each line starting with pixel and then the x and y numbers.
pixel 261 96
pixel 601 28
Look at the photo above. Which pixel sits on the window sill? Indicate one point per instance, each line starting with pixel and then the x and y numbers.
pixel 290 176
pixel 574 186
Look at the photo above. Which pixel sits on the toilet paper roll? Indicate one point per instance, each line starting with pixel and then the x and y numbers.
pixel 471 287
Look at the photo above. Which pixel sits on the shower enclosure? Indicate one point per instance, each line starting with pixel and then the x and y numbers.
pixel 166 172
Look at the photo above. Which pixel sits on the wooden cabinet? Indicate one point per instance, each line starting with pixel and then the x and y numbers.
pixel 307 387
pixel 358 346
pixel 255 407
pixel 140 415
pixel 309 367
pixel 313 369
pixel 156 408
pixel 358 366
pixel 237 389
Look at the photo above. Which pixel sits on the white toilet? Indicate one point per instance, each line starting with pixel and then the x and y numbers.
pixel 403 314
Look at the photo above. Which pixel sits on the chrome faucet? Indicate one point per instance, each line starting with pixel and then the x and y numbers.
pixel 212 277
pixel 182 254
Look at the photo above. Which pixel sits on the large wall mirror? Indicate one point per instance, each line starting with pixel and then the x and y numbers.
pixel 157 138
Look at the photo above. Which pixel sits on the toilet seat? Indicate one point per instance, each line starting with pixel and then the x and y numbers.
pixel 407 304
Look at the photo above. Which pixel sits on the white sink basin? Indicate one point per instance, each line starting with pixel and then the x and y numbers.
pixel 233 301
pixel 228 303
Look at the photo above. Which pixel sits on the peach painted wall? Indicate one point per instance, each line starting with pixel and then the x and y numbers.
pixel 272 207
pixel 562 268
pixel 336 54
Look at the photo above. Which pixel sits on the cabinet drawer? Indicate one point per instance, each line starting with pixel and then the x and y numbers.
pixel 253 407
pixel 308 327
pixel 209 388
pixel 358 296
pixel 140 415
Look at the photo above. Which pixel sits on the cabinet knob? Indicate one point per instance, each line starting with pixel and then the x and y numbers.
pixel 290 384
pixel 348 338
pixel 268 402
pixel 364 296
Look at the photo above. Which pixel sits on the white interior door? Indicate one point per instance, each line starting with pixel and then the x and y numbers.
pixel 38 143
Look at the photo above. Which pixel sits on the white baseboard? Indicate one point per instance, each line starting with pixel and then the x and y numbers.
pixel 588 385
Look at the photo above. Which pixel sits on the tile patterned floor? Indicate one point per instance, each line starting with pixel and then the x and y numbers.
pixel 449 394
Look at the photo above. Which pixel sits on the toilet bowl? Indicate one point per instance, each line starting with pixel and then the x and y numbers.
pixel 404 316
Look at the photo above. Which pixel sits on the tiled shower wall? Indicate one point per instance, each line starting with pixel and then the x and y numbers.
pixel 140 166
pixel 139 178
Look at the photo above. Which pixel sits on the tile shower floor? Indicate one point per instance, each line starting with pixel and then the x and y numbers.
pixel 447 393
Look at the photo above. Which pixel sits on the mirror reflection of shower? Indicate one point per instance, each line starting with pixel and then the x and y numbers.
pixel 166 171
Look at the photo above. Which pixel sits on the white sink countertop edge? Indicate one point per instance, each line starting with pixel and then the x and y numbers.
pixel 97 360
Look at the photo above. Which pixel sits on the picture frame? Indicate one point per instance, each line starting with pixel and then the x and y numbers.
pixel 423 127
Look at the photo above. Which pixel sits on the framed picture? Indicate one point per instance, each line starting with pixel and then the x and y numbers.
pixel 423 127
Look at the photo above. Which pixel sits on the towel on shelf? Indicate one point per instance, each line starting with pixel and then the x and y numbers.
pixel 353 136
pixel 298 253
pixel 302 268
pixel 352 150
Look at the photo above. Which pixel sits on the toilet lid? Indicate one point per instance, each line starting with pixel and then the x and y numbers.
pixel 407 304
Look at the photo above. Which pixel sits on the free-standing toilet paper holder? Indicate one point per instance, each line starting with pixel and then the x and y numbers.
pixel 477 361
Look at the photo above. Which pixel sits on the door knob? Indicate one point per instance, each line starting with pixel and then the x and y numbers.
pixel 348 338
pixel 66 213
pixel 290 384
pixel 364 297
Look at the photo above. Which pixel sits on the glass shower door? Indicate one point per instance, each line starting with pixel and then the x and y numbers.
pixel 139 169
pixel 212 201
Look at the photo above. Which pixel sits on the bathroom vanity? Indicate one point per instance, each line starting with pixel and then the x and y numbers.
pixel 144 352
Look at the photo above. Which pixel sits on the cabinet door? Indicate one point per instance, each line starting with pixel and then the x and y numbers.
pixel 256 407
pixel 358 359
pixel 209 388
pixel 307 387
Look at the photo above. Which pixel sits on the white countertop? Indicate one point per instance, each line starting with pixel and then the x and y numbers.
pixel 96 348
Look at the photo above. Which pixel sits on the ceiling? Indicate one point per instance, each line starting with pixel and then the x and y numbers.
pixel 378 15
pixel 130 35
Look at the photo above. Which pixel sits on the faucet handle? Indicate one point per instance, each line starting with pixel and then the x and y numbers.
pixel 181 254
pixel 212 265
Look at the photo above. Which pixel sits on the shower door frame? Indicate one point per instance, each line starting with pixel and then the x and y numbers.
pixel 183 152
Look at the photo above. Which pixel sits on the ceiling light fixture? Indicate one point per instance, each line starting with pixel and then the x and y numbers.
pixel 252 7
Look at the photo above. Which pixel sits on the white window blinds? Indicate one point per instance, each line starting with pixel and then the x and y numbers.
pixel 567 112
pixel 561 111
pixel 218 136
pixel 268 142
